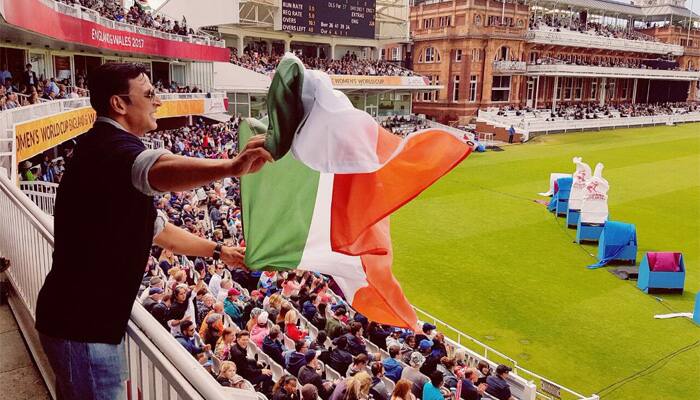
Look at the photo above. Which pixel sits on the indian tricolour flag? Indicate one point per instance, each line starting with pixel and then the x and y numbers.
pixel 324 205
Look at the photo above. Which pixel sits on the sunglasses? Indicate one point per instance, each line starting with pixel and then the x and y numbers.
pixel 151 95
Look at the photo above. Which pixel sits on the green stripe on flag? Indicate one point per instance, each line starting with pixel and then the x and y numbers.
pixel 284 107
pixel 278 203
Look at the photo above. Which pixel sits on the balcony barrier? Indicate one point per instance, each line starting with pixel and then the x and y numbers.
pixel 578 39
pixel 93 16
pixel 509 67
pixel 612 72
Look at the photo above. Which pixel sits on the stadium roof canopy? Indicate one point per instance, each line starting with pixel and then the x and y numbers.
pixel 609 7
pixel 233 78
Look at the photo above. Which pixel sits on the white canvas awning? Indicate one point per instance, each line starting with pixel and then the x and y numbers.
pixel 232 78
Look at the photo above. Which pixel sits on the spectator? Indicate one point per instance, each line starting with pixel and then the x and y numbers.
pixel 5 73
pixel 222 350
pixel 297 358
pixel 511 133
pixel 155 294
pixel 215 281
pixel 161 311
pixel 260 330
pixel 309 309
pixel 212 328
pixel 340 358
pixel 484 371
pixel 232 307
pixel 359 364
pixel 272 345
pixel 353 388
pixel 356 343
pixel 407 348
pixel 308 374
pixel 334 326
pixel 498 386
pixel 469 389
pixel 427 331
pixel 319 344
pixel 392 366
pixel 378 389
pixel 290 323
pixel 286 389
pixel 402 391
pixel 431 361
pixel 29 78
pixel 204 306
pixel 431 389
pixel 412 373
pixel 229 378
pixel 186 338
pixel 447 368
pixel 309 392
pixel 260 377
pixel 394 339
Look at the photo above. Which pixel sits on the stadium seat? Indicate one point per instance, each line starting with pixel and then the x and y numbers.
pixel 618 242
pixel 586 232
pixel 696 312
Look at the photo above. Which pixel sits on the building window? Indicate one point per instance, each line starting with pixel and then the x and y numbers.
pixel 431 55
pixel 445 21
pixel 610 91
pixel 560 89
pixel 458 55
pixel 534 57
pixel 623 89
pixel 568 89
pixel 503 54
pixel 436 81
pixel 428 95
pixel 396 53
pixel 455 88
pixel 476 55
pixel 500 90
pixel 477 20
pixel 383 56
pixel 578 89
pixel 594 88
pixel 472 88
pixel 428 23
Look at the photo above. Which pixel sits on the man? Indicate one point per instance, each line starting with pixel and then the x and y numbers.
pixel 29 79
pixel 511 133
pixel 186 339
pixel 431 361
pixel 308 374
pixel 272 346
pixel 392 365
pixel 378 390
pixel 498 386
pixel 334 326
pixel 287 389
pixel 431 389
pixel 469 390
pixel 155 294
pixel 215 281
pixel 413 374
pixel 427 332
pixel 394 339
pixel 125 221
pixel 249 368
pixel 340 358
pixel 356 342
pixel 297 358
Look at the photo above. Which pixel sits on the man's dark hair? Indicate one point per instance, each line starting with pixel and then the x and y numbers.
pixel 299 344
pixel 185 324
pixel 111 79
pixel 436 378
pixel 355 327
pixel 28 65
pixel 240 334
pixel 342 342
pixel 360 359
pixel 394 351
pixel 377 368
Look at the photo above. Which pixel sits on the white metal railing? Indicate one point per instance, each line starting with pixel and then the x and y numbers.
pixel 528 386
pixel 610 72
pixel 159 367
pixel 579 39
pixel 510 67
pixel 43 194
pixel 87 14
pixel 535 125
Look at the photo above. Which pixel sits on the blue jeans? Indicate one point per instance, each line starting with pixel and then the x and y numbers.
pixel 87 371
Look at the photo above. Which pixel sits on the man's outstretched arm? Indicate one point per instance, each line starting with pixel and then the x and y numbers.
pixel 173 173
pixel 180 241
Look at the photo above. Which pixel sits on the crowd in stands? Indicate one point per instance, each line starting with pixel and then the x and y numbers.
pixel 402 125
pixel 564 59
pixel 578 24
pixel 135 15
pixel 580 111
pixel 263 62
pixel 308 342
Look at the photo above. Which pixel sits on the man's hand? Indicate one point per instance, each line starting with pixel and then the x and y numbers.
pixel 233 256
pixel 482 388
pixel 252 158
pixel 266 372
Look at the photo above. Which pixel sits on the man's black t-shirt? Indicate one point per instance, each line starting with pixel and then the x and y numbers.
pixel 103 228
